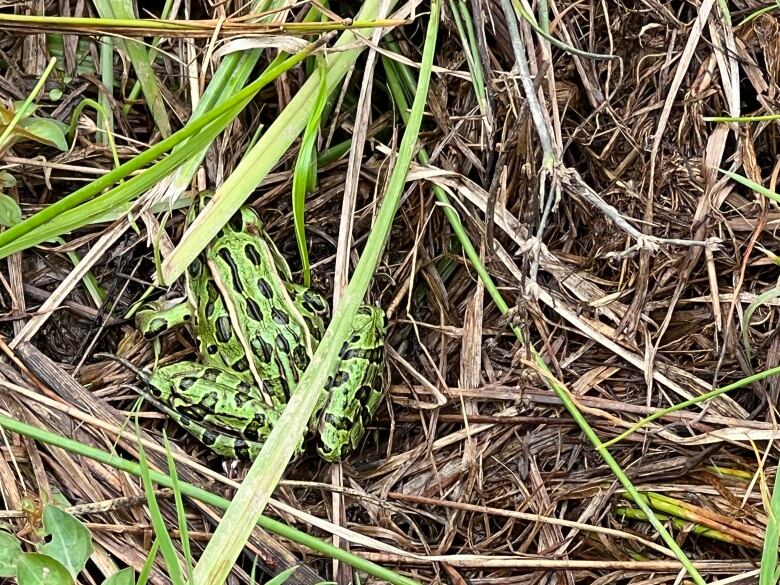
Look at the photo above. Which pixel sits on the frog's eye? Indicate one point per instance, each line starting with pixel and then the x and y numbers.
pixel 195 268
pixel 315 302
pixel 237 222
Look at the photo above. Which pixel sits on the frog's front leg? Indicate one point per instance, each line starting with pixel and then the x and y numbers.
pixel 155 317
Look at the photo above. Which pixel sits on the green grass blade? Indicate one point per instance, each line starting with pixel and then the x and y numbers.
pixel 105 119
pixel 202 495
pixel 696 400
pixel 181 515
pixel 166 12
pixel 146 571
pixel 752 185
pixel 282 577
pixel 264 475
pixel 10 239
pixel 96 292
pixel 123 9
pixel 305 174
pixel 267 152
pixel 158 522
pixel 462 18
pixel 769 574
pixel 741 119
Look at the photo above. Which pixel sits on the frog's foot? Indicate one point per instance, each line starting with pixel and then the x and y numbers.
pixel 158 316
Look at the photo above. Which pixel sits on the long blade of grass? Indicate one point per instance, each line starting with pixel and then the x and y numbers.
pixel 144 72
pixel 305 174
pixel 267 470
pixel 166 11
pixel 202 495
pixel 266 153
pixel 746 381
pixel 181 515
pixel 158 522
pixel 230 76
pixel 105 118
pixel 768 574
pixel 752 185
pixel 11 239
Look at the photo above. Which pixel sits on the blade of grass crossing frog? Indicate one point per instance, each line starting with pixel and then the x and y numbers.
pixel 11 240
pixel 266 154
pixel 255 491
pixel 305 174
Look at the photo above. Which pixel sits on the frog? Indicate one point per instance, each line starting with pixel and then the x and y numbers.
pixel 256 331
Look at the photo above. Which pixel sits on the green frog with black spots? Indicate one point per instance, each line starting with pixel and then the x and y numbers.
pixel 256 332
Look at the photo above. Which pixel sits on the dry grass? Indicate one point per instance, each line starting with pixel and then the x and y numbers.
pixel 472 465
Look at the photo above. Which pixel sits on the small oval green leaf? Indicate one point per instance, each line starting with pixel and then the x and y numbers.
pixel 38 569
pixel 10 212
pixel 124 577
pixel 7 179
pixel 47 131
pixel 71 541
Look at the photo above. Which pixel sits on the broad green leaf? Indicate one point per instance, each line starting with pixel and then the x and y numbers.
pixel 38 569
pixel 71 541
pixel 46 131
pixel 10 549
pixel 124 577
pixel 10 212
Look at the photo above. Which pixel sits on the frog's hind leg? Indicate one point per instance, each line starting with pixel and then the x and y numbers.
pixel 154 318
pixel 219 443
